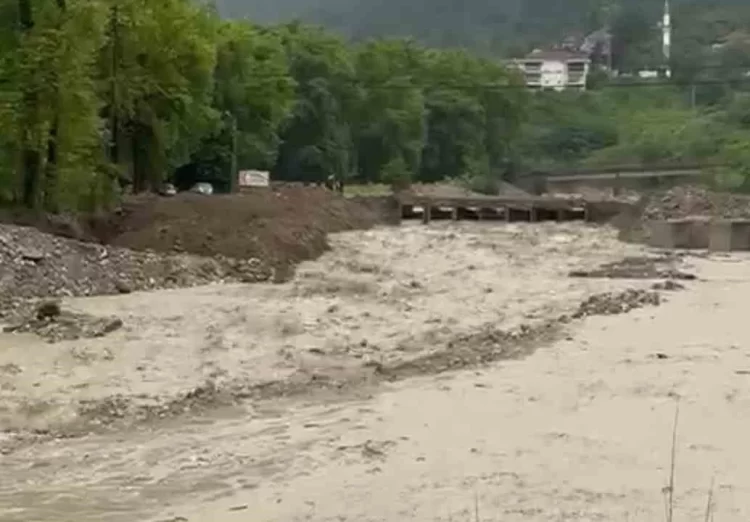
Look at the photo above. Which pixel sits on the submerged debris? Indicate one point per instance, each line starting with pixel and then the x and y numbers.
pixel 637 268
pixel 617 303
pixel 668 285
pixel 52 323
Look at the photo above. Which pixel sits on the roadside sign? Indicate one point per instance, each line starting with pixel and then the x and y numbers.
pixel 254 178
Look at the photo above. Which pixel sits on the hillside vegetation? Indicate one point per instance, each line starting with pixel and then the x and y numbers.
pixel 496 27
pixel 98 95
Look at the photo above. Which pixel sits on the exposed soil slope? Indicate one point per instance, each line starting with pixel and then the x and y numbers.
pixel 280 227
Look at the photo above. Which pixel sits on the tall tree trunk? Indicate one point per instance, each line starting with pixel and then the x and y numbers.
pixel 140 157
pixel 30 156
pixel 31 165
pixel 51 168
pixel 114 123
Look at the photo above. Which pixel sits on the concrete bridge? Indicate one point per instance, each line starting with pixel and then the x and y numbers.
pixel 617 178
pixel 516 208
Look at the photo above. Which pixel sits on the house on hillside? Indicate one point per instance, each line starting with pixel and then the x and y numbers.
pixel 556 69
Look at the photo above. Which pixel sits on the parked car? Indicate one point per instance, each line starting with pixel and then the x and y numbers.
pixel 168 190
pixel 203 188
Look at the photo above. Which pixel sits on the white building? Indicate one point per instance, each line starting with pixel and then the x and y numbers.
pixel 557 70
pixel 666 32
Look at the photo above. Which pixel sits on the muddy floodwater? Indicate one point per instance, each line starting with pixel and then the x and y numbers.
pixel 415 373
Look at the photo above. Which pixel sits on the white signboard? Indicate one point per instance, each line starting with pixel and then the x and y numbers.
pixel 254 178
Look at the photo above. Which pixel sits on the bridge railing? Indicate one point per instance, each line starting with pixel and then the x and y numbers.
pixel 612 169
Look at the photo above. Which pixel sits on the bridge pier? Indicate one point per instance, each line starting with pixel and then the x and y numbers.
pixel 426 214
pixel 729 235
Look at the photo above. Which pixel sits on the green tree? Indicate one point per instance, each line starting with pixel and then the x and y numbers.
pixel 389 126
pixel 635 41
pixel 159 85
pixel 565 128
pixel 50 123
pixel 254 93
pixel 317 137
pixel 474 111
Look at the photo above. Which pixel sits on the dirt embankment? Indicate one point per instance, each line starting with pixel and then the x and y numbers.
pixel 280 227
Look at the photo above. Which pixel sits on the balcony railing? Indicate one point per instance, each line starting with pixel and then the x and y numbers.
pixel 533 78
pixel 576 77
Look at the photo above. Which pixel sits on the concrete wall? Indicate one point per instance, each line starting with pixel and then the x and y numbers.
pixel 718 235
pixel 679 233
pixel 730 235
pixel 386 208
pixel 606 211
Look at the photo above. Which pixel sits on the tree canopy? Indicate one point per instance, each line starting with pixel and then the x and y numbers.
pixel 101 96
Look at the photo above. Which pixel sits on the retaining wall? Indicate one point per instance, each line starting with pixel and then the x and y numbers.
pixel 386 208
pixel 723 235
pixel 605 211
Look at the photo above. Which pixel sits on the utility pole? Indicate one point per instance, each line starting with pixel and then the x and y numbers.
pixel 666 31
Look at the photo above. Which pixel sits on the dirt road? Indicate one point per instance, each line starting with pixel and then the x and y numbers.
pixel 579 430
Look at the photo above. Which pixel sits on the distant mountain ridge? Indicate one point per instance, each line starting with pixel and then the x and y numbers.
pixel 486 25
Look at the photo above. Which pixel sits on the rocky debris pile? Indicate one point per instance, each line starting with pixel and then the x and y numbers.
pixel 39 265
pixel 691 201
pixel 668 285
pixel 678 203
pixel 652 267
pixel 476 348
pixel 121 409
pixel 617 303
pixel 50 322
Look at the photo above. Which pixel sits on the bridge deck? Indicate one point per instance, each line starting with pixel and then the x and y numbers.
pixel 526 208
pixel 499 202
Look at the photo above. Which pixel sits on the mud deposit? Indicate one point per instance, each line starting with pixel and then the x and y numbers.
pixel 328 398
pixel 641 267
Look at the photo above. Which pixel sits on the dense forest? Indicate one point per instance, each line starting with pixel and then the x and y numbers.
pixel 98 94
pixel 101 95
